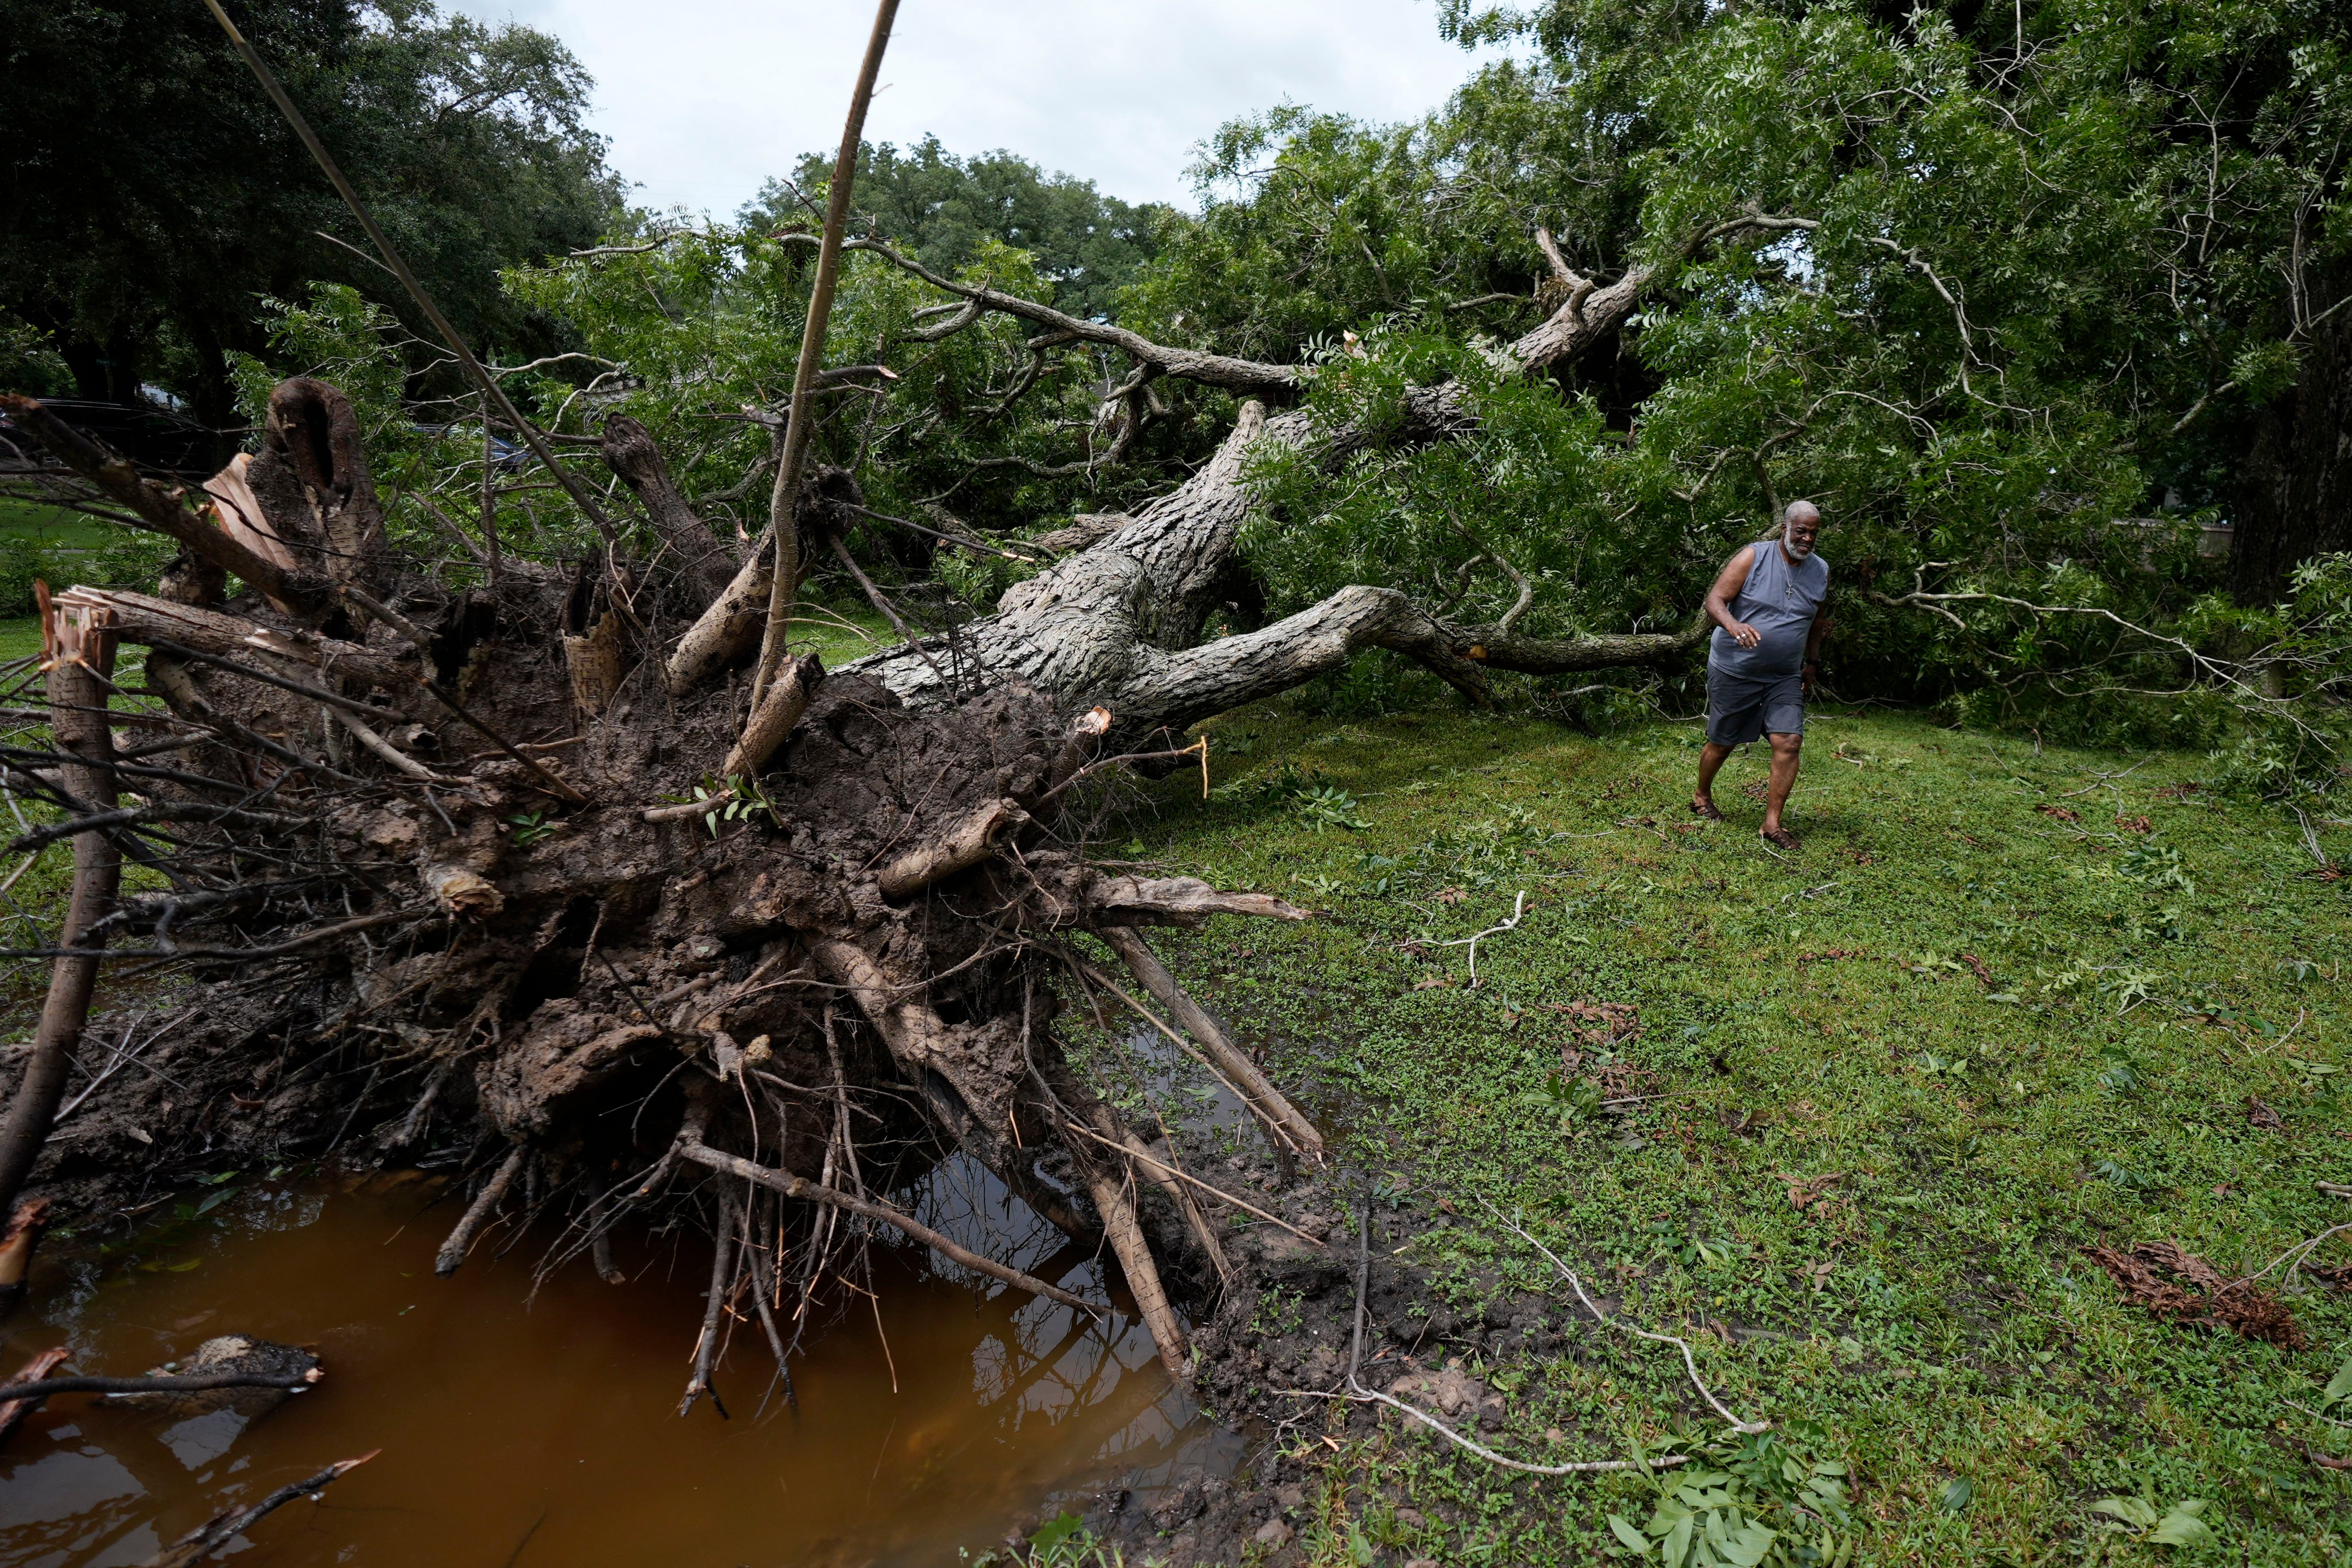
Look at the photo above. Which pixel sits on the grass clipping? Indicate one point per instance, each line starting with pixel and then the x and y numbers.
pixel 2172 1282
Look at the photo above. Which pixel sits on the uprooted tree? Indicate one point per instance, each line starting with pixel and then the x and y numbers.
pixel 451 839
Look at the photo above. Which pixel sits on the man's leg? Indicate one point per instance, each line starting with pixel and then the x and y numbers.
pixel 1710 762
pixel 1785 749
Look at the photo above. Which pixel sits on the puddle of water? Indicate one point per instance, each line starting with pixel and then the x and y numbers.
pixel 1188 1094
pixel 519 1432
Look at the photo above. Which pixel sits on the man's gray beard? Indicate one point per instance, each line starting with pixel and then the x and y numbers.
pixel 1793 548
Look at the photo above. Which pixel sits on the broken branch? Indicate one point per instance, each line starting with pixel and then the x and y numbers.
pixel 793 1186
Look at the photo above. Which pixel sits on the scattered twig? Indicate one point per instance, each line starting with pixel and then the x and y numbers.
pixel 223 1530
pixel 1689 1362
pixel 1519 914
pixel 1358 1392
pixel 194 1383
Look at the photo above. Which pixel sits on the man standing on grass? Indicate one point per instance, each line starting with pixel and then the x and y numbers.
pixel 1766 607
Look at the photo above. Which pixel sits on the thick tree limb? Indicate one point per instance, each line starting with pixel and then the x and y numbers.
pixel 81 651
pixel 1116 625
pixel 143 619
pixel 196 1383
pixel 704 563
pixel 1174 902
pixel 773 719
pixel 1134 1254
pixel 159 509
pixel 311 482
pixel 1164 1177
pixel 964 844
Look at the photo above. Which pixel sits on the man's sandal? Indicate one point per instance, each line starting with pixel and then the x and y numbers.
pixel 1705 808
pixel 1780 837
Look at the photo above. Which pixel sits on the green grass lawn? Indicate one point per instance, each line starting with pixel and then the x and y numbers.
pixel 20 637
pixel 1903 1078
pixel 51 526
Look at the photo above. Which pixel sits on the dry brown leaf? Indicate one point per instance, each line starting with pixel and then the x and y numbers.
pixel 1806 1190
pixel 2151 1275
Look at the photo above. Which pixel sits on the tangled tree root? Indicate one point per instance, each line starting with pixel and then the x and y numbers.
pixel 435 843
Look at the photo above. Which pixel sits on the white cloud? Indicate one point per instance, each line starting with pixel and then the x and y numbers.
pixel 705 98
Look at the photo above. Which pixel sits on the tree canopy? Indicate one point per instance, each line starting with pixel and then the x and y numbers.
pixel 2040 305
pixel 945 210
pixel 151 195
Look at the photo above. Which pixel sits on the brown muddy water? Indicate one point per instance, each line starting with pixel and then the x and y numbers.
pixel 519 1430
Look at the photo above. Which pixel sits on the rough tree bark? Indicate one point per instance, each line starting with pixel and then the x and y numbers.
pixel 80 651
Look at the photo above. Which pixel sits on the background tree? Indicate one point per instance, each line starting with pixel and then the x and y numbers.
pixel 945 210
pixel 151 194
pixel 2032 302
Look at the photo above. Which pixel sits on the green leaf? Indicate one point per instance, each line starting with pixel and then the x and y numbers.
pixel 2339 1387
pixel 1750 1547
pixel 2181 1527
pixel 1635 1541
pixel 1057 1530
pixel 214 1200
pixel 2130 1509
pixel 1956 1494
pixel 1678 1542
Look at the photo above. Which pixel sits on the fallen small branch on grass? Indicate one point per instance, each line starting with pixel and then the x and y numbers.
pixel 1749 1428
pixel 1519 914
pixel 1358 1394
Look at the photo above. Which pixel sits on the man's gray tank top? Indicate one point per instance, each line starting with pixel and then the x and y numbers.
pixel 1780 601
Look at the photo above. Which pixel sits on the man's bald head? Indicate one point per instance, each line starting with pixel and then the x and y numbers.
pixel 1800 528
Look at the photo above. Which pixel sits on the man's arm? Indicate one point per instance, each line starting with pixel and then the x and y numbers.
pixel 1821 624
pixel 1728 583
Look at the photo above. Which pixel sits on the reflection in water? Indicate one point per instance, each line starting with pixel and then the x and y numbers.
pixel 523 1431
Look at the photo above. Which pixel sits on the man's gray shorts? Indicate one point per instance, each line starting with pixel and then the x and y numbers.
pixel 1739 707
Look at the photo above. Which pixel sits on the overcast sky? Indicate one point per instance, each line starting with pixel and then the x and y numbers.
pixel 705 98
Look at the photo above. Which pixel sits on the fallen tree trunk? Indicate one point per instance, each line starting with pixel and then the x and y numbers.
pixel 1117 624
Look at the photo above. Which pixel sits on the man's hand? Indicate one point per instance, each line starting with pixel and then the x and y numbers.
pixel 1743 634
pixel 1813 673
